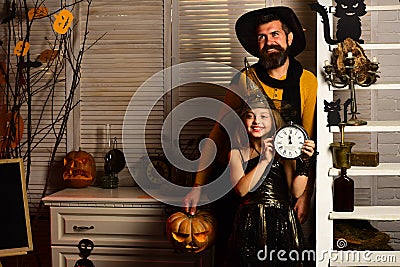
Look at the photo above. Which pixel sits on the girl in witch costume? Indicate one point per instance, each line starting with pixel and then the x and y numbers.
pixel 265 220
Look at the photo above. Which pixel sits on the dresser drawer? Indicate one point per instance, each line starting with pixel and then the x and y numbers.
pixel 64 256
pixel 122 227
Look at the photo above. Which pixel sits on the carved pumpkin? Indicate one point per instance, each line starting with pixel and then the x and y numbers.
pixel 79 169
pixel 63 21
pixel 191 233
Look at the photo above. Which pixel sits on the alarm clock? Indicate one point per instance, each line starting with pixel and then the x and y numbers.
pixel 289 140
pixel 160 166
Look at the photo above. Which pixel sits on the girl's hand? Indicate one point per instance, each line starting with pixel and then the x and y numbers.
pixel 267 151
pixel 308 148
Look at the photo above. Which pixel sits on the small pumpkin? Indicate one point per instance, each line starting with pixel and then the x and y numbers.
pixel 79 169
pixel 191 233
pixel 63 21
pixel 21 48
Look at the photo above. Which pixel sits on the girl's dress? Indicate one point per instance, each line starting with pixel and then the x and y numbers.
pixel 265 224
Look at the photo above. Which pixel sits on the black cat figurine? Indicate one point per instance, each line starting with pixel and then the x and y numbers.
pixel 349 23
pixel 333 109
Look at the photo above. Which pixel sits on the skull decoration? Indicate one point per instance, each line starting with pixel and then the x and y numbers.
pixel 191 233
pixel 79 169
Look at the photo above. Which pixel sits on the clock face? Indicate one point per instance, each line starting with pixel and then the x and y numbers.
pixel 289 140
pixel 156 168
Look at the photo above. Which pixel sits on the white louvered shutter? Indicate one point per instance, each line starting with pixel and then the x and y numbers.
pixel 131 51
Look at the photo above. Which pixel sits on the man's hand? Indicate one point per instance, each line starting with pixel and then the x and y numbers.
pixel 189 203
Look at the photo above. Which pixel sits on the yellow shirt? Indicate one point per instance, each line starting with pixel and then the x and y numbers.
pixel 308 95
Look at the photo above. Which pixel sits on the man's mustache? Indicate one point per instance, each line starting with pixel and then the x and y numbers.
pixel 276 47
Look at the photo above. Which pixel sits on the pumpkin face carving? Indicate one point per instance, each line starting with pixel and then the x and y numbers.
pixel 191 233
pixel 21 48
pixel 79 169
pixel 63 21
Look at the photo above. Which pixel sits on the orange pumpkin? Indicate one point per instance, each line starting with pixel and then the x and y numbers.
pixel 21 48
pixel 191 233
pixel 79 169
pixel 63 21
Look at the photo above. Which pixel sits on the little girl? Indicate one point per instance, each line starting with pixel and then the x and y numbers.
pixel 266 230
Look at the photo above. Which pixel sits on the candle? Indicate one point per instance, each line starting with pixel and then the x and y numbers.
pixel 374 59
pixel 349 55
pixel 108 135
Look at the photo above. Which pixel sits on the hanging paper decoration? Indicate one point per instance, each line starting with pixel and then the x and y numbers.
pixel 37 13
pixel 47 55
pixel 348 13
pixel 11 130
pixel 21 48
pixel 63 21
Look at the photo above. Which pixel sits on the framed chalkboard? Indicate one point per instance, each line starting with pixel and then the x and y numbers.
pixel 15 227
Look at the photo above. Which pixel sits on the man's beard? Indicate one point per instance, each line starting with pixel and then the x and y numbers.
pixel 272 60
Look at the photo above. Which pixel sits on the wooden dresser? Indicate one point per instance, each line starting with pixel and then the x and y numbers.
pixel 126 226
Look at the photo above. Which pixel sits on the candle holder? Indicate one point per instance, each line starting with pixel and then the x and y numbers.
pixel 350 78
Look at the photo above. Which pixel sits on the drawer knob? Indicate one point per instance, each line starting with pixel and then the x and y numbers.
pixel 81 228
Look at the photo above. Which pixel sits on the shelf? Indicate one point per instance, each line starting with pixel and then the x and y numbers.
pixel 376 213
pixel 390 85
pixel 364 258
pixel 383 8
pixel 332 9
pixel 380 46
pixel 363 176
pixel 382 86
pixel 383 169
pixel 372 126
pixel 375 46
